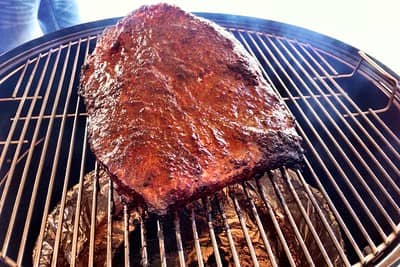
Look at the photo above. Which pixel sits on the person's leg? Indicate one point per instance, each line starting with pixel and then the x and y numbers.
pixel 58 14
pixel 18 22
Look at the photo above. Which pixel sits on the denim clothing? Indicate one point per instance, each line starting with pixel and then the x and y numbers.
pixel 23 20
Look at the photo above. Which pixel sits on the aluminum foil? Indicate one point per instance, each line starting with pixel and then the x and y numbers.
pixel 312 214
pixel 220 201
pixel 64 256
pixel 257 242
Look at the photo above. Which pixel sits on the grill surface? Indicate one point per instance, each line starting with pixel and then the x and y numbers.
pixel 347 110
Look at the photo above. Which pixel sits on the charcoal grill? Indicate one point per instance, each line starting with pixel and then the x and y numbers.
pixel 345 102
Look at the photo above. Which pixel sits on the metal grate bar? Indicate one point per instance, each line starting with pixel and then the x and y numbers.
pixel 58 147
pixel 109 222
pixel 244 42
pixel 14 142
pixel 22 135
pixel 323 60
pixel 45 53
pixel 307 97
pixel 248 48
pixel 321 247
pixel 365 132
pixel 196 239
pixel 21 157
pixel 12 169
pixel 366 186
pixel 160 235
pixel 332 158
pixel 245 230
pixel 235 256
pixel 93 215
pixel 143 243
pixel 81 175
pixel 370 124
pixel 25 67
pixel 8 260
pixel 94 194
pixel 179 240
pixel 276 224
pixel 389 177
pixel 264 237
pixel 321 216
pixel 338 217
pixel 10 99
pixel 292 221
pixel 70 153
pixel 328 132
pixel 15 71
pixel 384 126
pixel 126 237
pixel 382 86
pixel 358 175
pixel 212 233
pixel 23 179
pixel 353 104
pixel 41 163
pixel 343 225
pixel 64 192
pixel 79 199
pixel 82 114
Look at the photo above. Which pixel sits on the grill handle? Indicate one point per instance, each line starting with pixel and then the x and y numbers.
pixel 394 82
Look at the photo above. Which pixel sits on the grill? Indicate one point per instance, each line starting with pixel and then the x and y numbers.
pixel 347 110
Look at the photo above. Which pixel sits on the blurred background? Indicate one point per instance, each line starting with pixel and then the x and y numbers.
pixel 370 25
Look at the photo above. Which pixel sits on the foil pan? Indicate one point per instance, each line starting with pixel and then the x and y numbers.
pixel 224 207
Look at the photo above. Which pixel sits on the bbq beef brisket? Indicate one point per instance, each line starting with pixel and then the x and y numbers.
pixel 177 108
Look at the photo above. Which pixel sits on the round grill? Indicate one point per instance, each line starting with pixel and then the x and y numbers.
pixel 347 111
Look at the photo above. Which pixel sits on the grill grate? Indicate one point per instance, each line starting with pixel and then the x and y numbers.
pixel 346 108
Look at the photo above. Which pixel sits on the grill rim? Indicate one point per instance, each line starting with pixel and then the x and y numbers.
pixel 35 46
pixel 11 60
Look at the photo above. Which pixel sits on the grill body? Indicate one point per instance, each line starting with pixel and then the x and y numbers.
pixel 345 103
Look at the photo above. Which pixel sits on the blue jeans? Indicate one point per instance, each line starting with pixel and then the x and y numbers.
pixel 23 20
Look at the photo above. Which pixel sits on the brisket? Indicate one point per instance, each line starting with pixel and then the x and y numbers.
pixel 177 108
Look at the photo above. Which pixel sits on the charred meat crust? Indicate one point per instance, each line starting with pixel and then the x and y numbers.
pixel 177 108
pixel 274 159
